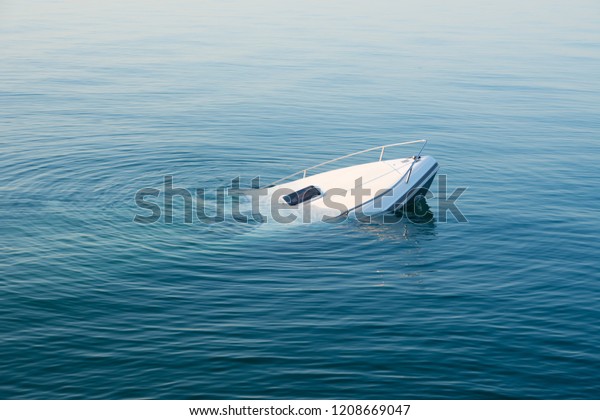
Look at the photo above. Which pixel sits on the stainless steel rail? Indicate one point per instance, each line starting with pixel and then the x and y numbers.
pixel 305 171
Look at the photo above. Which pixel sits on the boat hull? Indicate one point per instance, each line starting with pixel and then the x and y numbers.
pixel 363 190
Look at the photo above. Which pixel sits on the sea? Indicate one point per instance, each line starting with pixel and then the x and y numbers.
pixel 496 295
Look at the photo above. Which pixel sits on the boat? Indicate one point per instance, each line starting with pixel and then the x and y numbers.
pixel 366 189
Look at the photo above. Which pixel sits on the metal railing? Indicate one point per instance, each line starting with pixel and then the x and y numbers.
pixel 305 171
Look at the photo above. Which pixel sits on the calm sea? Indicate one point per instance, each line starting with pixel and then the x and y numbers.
pixel 101 99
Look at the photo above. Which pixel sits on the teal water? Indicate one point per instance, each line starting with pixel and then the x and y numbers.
pixel 98 101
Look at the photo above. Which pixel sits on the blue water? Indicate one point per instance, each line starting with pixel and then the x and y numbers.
pixel 100 100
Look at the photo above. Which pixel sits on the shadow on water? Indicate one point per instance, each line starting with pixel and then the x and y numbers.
pixel 417 211
pixel 411 221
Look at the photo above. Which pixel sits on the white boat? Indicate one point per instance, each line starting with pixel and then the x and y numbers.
pixel 362 190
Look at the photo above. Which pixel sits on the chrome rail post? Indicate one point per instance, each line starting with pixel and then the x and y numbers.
pixel 381 155
pixel 422 147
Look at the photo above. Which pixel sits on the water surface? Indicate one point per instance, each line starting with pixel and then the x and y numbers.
pixel 98 101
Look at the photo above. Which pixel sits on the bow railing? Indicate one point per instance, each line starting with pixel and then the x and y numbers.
pixel 304 172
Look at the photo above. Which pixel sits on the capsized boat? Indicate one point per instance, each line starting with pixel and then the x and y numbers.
pixel 363 190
